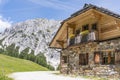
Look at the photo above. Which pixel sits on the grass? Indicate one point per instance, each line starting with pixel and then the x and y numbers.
pixel 10 64
pixel 3 77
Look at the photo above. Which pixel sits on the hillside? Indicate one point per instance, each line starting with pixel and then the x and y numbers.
pixel 34 35
pixel 10 64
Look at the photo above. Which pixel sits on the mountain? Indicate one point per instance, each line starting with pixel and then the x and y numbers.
pixel 34 35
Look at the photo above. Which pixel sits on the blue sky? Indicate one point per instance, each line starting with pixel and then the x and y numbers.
pixel 20 10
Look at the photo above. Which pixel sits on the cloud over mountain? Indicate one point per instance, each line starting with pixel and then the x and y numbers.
pixel 4 24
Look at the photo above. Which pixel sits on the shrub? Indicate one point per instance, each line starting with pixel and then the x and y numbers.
pixel 41 59
pixel 3 77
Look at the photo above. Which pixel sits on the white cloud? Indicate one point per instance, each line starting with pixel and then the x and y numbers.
pixel 72 5
pixel 4 24
pixel 55 4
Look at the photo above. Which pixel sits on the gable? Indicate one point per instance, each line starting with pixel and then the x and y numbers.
pixel 83 16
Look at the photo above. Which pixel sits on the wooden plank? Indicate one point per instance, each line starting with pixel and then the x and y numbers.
pixel 110 34
pixel 81 16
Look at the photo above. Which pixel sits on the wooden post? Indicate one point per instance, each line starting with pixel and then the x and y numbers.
pixel 109 57
pixel 117 58
pixel 67 35
pixel 60 62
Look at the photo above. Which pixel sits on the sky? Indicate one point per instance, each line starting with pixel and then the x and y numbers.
pixel 13 11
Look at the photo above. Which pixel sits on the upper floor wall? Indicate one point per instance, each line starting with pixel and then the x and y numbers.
pixel 103 23
pixel 102 27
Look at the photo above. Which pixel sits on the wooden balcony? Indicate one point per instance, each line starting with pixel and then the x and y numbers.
pixel 81 39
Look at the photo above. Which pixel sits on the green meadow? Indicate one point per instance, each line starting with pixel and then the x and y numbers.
pixel 10 64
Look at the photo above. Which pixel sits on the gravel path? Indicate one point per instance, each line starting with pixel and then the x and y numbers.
pixel 41 75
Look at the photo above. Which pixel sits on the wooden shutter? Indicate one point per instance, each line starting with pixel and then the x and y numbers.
pixel 97 58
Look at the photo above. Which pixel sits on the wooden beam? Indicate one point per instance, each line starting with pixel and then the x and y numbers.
pixel 118 24
pixel 61 43
pixel 97 15
pixel 67 35
pixel 71 25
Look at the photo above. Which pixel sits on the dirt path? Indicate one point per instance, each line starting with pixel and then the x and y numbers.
pixel 41 75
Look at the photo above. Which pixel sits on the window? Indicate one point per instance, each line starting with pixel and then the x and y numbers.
pixel 83 59
pixel 104 58
pixel 108 58
pixel 65 59
pixel 97 57
pixel 72 41
pixel 85 27
pixel 112 56
pixel 77 31
pixel 94 26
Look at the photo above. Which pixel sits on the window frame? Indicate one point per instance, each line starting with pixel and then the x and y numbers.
pixel 106 56
pixel 65 59
pixel 83 59
pixel 94 26
pixel 85 27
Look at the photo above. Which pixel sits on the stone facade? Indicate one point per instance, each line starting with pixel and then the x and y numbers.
pixel 73 66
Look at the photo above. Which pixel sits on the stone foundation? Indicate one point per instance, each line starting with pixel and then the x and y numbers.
pixel 73 67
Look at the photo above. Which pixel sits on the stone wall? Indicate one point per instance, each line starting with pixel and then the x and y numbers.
pixel 72 66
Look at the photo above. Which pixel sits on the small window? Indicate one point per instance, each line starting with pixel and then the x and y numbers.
pixel 94 26
pixel 105 58
pixel 97 57
pixel 85 27
pixel 83 59
pixel 108 58
pixel 77 31
pixel 65 59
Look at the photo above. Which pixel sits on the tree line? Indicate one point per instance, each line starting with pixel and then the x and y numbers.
pixel 39 58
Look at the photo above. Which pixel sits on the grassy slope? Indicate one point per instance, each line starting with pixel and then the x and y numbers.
pixel 10 64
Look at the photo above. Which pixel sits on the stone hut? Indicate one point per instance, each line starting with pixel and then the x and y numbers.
pixel 90 42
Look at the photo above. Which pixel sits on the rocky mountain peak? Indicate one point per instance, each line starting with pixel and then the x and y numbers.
pixel 34 34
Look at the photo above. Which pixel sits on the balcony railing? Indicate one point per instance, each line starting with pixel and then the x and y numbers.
pixel 82 38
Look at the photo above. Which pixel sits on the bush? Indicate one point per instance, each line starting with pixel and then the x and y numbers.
pixel 41 59
pixel 50 67
pixel 3 77
pixel 24 54
pixel 58 68
pixel 31 56
pixel 1 51
pixel 11 51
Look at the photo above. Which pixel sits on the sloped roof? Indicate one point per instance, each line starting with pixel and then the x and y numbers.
pixel 91 6
pixel 85 8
